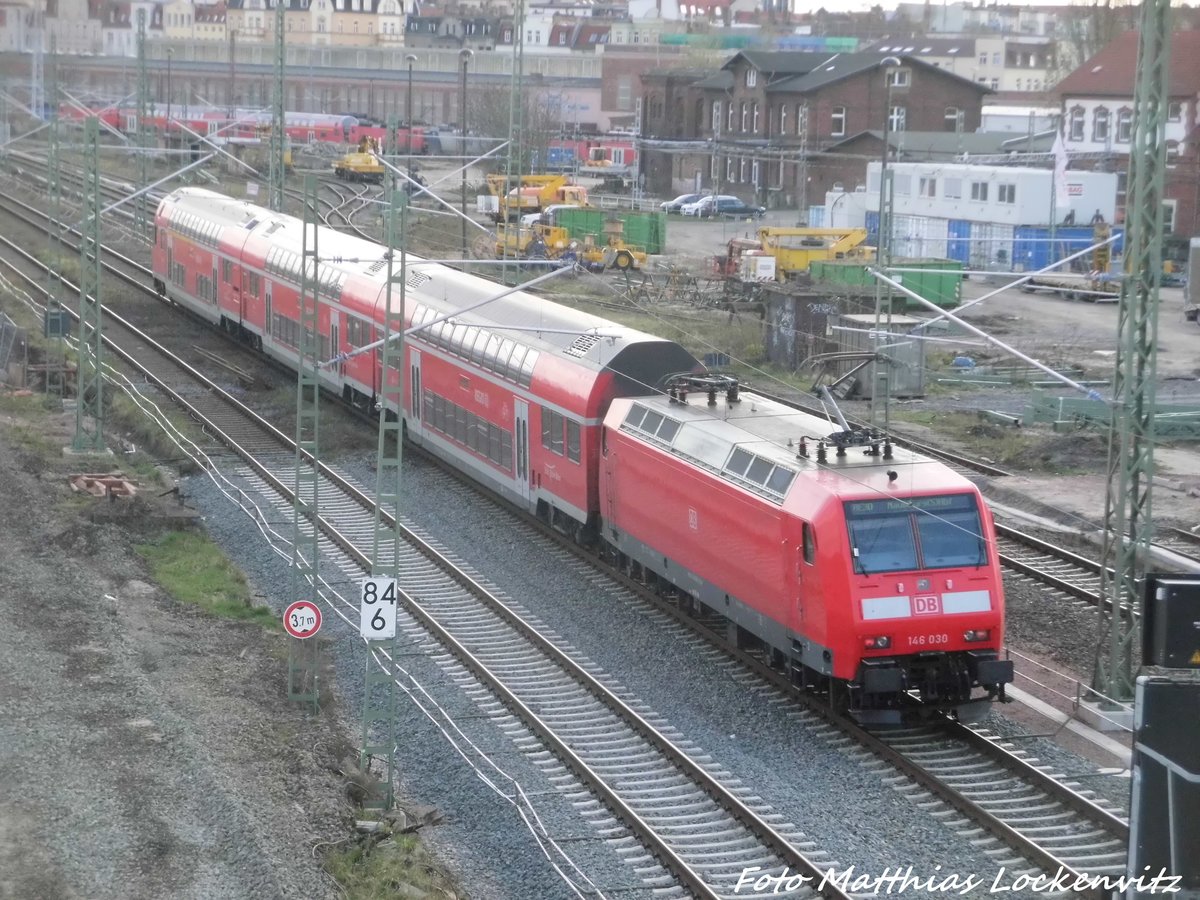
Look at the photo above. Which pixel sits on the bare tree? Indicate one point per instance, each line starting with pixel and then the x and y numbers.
pixel 1086 30
pixel 542 119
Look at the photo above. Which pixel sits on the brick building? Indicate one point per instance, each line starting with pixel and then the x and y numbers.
pixel 753 127
pixel 1098 117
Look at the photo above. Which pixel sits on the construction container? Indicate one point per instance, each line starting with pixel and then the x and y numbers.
pixel 646 231
pixel 905 369
pixel 798 324
pixel 941 285
pixel 1033 248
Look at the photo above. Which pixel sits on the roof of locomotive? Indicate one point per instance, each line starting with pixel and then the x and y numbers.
pixel 521 316
pixel 767 434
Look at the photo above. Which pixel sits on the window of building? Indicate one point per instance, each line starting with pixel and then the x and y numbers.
pixel 624 92
pixel 896 118
pixel 1168 216
pixel 996 58
pixel 783 118
pixel 754 118
pixel 754 173
pixel 716 115
pixel 562 39
pixel 952 188
pixel 714 167
pixel 838 122
pixel 983 58
pixel 751 77
pixel 801 118
pixel 742 169
pixel 927 187
pixel 979 191
pixel 729 117
pixel 730 170
pixel 1007 193
pixel 1075 124
pixel 745 115
pixel 951 118
pixel 1174 111
pixel 899 78
pixel 1100 125
pixel 901 184
pixel 995 84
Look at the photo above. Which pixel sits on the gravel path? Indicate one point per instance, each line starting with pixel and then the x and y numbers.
pixel 146 750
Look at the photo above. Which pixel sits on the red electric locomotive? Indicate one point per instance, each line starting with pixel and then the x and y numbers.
pixel 866 567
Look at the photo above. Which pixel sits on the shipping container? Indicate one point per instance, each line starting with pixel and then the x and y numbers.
pixel 958 245
pixel 1033 248
pixel 919 236
pixel 991 246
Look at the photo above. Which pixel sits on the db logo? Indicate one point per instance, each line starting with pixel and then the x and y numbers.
pixel 926 606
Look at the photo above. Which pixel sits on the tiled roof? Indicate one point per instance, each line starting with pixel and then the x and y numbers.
pixel 1112 71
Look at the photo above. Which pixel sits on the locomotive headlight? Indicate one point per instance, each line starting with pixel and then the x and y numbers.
pixel 979 634
pixel 879 642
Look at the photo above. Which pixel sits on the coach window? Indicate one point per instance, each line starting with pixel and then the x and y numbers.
pixel 810 544
pixel 572 440
pixel 552 431
pixel 227 271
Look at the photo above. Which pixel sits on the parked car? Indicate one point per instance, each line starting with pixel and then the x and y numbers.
pixel 731 208
pixel 674 206
pixel 696 207
pixel 536 218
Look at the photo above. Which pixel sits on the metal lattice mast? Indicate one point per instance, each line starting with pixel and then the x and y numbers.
pixel 1128 525
pixel 302 661
pixel 379 686
pixel 143 126
pixel 54 319
pixel 36 98
pixel 515 116
pixel 89 406
pixel 278 134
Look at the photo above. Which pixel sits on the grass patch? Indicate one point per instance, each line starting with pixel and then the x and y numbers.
pixel 194 570
pixel 379 871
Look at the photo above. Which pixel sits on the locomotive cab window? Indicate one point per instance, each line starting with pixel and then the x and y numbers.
pixel 917 533
pixel 809 548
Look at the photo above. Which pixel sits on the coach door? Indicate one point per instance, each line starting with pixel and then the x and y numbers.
pixel 414 389
pixel 521 442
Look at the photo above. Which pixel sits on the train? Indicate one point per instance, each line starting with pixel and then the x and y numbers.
pixel 250 124
pixel 599 155
pixel 862 568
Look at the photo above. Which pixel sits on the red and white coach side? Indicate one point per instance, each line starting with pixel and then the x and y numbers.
pixel 513 393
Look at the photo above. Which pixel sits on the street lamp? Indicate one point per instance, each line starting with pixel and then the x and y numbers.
pixel 167 126
pixel 880 381
pixel 465 55
pixel 408 117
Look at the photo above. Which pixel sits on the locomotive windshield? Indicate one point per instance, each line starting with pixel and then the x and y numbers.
pixel 915 533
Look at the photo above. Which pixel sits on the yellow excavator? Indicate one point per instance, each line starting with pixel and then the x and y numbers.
pixel 362 164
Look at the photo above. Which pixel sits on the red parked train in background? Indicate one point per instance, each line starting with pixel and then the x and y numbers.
pixel 854 564
pixel 247 124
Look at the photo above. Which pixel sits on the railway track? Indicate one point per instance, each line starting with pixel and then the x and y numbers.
pixel 697 829
pixel 723 814
pixel 1028 815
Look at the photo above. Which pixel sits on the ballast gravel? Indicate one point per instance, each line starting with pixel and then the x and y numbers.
pixel 810 776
